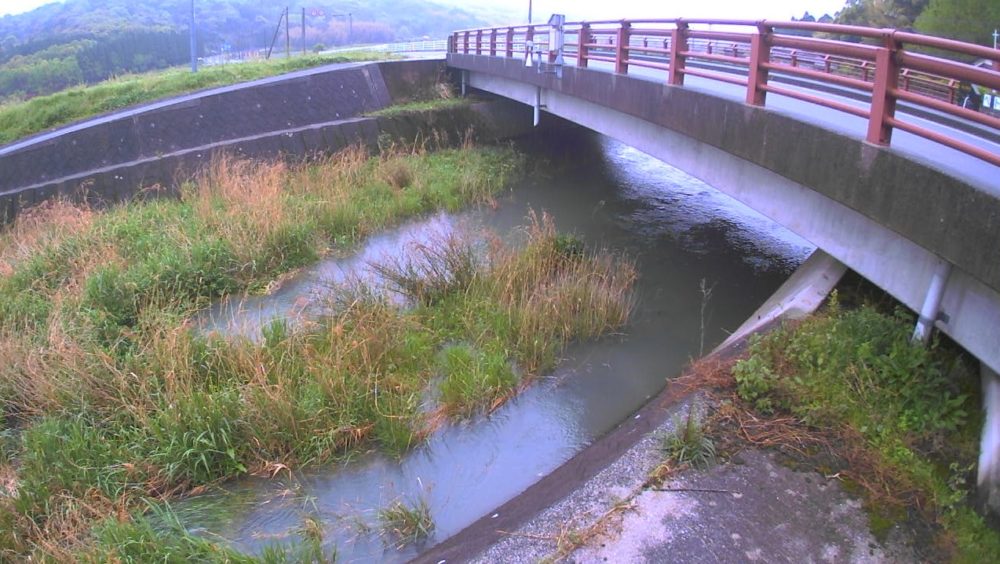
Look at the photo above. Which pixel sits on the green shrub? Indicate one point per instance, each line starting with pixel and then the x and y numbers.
pixel 70 455
pixel 139 541
pixel 755 381
pixel 473 379
pixel 199 438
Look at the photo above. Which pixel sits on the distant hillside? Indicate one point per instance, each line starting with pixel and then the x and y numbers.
pixel 82 41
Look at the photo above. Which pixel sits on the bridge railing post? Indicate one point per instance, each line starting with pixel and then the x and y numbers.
pixel 529 37
pixel 451 42
pixel 760 55
pixel 479 42
pixel 493 42
pixel 621 48
pixel 678 45
pixel 509 43
pixel 583 52
pixel 883 99
pixel 465 43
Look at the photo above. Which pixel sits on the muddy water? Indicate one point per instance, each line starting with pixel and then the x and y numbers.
pixel 681 232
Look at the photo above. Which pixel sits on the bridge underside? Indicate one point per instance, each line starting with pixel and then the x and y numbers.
pixel 897 226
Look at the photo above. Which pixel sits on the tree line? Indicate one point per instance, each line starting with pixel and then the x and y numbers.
pixel 91 59
pixel 972 21
pixel 84 41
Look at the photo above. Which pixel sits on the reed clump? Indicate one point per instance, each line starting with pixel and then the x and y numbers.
pixel 407 523
pixel 510 309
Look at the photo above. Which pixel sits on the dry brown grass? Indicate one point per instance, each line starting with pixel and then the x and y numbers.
pixel 45 376
pixel 555 299
pixel 8 481
pixel 396 172
pixel 839 452
pixel 572 535
pixel 332 177
pixel 65 530
pixel 242 200
pixel 40 227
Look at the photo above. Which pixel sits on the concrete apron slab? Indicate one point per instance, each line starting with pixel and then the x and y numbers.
pixel 613 469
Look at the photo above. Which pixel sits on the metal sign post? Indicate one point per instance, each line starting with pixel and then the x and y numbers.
pixel 194 42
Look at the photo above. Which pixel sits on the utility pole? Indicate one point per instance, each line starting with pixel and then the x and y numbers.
pixel 194 42
pixel 529 11
pixel 303 32
pixel 996 62
pixel 274 39
pixel 288 38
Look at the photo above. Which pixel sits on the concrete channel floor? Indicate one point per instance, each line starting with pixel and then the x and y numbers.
pixel 748 509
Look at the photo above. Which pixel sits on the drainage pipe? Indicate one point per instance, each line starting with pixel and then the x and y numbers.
pixel 538 105
pixel 988 482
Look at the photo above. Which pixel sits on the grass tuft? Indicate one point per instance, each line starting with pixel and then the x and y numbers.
pixel 688 444
pixel 407 523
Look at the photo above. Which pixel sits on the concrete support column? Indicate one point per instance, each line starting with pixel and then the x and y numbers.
pixel 988 482
pixel 932 303
pixel 537 106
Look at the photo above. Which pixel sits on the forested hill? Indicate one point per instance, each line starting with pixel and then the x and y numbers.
pixel 80 41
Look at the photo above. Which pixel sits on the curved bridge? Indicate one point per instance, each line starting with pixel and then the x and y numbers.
pixel 861 148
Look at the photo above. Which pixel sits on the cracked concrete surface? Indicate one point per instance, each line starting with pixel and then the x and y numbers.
pixel 749 509
pixel 753 510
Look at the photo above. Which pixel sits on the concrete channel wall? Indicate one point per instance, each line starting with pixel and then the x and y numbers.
pixel 156 146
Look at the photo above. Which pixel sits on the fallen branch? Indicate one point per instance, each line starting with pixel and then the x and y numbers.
pixel 706 490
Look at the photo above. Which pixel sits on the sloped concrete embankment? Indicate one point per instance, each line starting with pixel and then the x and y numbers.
pixel 155 147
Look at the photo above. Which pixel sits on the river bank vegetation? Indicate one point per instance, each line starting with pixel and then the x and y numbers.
pixel 112 402
pixel 846 393
pixel 22 118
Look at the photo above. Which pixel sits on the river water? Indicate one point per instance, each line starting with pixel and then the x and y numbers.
pixel 680 231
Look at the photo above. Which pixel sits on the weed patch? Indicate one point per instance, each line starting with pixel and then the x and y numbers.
pixel 407 523
pixel 688 444
pixel 897 418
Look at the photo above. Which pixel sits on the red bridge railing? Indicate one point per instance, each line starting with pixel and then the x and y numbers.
pixel 885 65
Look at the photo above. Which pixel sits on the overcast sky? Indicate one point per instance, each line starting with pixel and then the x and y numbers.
pixel 577 9
pixel 614 9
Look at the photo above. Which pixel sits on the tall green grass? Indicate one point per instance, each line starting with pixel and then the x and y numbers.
pixel 19 119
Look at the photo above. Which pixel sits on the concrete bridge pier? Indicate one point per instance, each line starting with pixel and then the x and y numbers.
pixel 988 482
pixel 930 312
